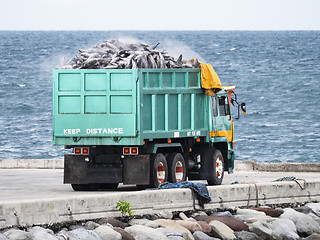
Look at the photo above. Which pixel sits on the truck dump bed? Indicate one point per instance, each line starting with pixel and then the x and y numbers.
pixel 127 106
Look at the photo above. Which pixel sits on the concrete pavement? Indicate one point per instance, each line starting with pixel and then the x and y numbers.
pixel 36 184
pixel 32 192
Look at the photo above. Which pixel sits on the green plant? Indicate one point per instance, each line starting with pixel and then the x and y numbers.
pixel 124 207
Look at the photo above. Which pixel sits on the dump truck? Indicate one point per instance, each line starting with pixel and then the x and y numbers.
pixel 142 127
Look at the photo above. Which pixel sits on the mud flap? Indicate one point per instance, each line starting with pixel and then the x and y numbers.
pixel 136 169
pixel 79 171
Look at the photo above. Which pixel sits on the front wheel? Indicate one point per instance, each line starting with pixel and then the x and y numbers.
pixel 158 170
pixel 218 168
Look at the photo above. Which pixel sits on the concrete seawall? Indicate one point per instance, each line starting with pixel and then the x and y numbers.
pixel 31 163
pixel 96 205
pixel 239 165
pixel 276 167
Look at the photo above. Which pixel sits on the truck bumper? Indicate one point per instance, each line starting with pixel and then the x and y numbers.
pixel 131 170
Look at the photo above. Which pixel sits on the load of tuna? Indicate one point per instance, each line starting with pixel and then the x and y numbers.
pixel 117 54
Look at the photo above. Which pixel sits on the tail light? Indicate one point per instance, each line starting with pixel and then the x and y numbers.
pixel 81 150
pixel 130 151
pixel 126 151
pixel 85 151
pixel 134 151
pixel 77 150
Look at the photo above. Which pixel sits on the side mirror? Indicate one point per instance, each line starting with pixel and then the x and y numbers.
pixel 243 108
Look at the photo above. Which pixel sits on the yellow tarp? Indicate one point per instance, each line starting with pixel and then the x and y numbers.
pixel 209 79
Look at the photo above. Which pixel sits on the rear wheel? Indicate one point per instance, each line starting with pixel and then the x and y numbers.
pixel 218 168
pixel 159 170
pixel 177 168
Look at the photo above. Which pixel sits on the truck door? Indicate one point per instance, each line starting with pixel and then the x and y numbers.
pixel 225 118
pixel 222 124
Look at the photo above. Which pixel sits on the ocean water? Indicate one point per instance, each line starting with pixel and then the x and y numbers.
pixel 277 74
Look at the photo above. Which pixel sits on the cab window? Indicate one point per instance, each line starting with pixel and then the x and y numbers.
pixel 224 108
pixel 214 106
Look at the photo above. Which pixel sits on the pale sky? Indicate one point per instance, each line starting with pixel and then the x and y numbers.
pixel 160 15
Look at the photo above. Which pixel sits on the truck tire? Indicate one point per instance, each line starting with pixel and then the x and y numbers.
pixel 158 170
pixel 85 187
pixel 177 168
pixel 218 168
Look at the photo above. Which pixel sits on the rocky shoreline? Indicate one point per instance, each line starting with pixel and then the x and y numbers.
pixel 296 222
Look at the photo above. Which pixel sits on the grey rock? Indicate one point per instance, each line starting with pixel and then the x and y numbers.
pixel 124 234
pixel 183 216
pixel 192 226
pixel 225 213
pixel 84 234
pixel 113 222
pixel 275 228
pixel 43 235
pixel 73 227
pixel 171 234
pixel 105 232
pixel 198 213
pixel 61 238
pixel 250 218
pixel 231 222
pixel 175 226
pixel 198 235
pixel 40 229
pixel 315 207
pixel 90 225
pixel 250 212
pixel 314 236
pixel 145 233
pixel 303 209
pixel 304 223
pixel 244 235
pixel 16 234
pixel 3 237
pixel 65 235
pixel 39 233
pixel 144 222
pixel 221 230
pixel 165 214
pixel 315 217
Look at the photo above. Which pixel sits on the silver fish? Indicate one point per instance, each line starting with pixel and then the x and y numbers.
pixel 115 53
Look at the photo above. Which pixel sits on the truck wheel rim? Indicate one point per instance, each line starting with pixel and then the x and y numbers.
pixel 179 171
pixel 161 172
pixel 219 167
